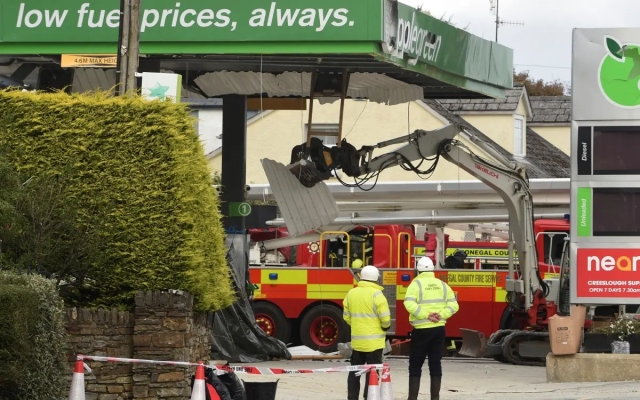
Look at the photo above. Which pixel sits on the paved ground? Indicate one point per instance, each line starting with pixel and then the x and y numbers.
pixel 463 379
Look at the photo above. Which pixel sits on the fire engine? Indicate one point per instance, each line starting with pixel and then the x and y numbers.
pixel 301 288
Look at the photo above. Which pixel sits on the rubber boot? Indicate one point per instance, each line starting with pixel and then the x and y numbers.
pixel 414 387
pixel 435 387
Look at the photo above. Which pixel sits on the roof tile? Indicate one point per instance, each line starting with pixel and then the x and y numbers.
pixel 543 159
pixel 550 109
pixel 547 157
pixel 508 103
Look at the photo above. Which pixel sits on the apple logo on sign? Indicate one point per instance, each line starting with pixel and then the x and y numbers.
pixel 619 74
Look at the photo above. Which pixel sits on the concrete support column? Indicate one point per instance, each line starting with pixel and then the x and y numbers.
pixel 234 156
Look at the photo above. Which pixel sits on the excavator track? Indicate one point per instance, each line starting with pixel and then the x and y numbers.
pixel 497 338
pixel 511 344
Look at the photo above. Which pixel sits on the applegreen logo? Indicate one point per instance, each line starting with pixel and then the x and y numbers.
pixel 619 73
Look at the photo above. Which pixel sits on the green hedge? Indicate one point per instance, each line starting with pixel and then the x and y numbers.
pixel 136 175
pixel 32 339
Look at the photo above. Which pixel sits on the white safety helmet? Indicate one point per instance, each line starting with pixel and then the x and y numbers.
pixel 425 264
pixel 370 273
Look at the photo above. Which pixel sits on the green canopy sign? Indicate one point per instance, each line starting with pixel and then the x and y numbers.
pixel 421 42
pixel 76 22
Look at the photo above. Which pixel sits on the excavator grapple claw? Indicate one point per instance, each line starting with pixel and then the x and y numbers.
pixel 307 173
pixel 304 208
pixel 474 343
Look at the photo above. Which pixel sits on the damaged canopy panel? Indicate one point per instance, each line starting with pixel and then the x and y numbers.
pixel 304 209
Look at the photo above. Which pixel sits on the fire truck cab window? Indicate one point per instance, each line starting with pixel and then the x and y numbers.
pixel 336 253
pixel 553 245
pixel 361 248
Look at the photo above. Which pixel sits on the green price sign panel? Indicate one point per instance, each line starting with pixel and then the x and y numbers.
pixel 239 209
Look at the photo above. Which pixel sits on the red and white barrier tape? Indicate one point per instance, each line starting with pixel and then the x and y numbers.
pixel 278 371
pixel 223 369
pixel 136 361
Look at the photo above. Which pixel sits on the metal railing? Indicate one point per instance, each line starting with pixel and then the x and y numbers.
pixel 334 233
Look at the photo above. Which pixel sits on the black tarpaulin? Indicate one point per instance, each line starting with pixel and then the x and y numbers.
pixel 235 336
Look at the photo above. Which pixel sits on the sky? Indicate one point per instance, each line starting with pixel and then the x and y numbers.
pixel 542 45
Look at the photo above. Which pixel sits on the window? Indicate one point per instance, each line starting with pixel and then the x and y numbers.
pixel 331 130
pixel 553 247
pixel 518 137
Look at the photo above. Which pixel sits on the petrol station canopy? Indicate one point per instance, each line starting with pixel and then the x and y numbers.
pixel 393 52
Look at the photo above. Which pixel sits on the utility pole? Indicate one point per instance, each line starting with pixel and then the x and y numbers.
pixel 496 9
pixel 128 46
pixel 497 18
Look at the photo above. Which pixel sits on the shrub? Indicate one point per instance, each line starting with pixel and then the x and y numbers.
pixel 620 327
pixel 37 224
pixel 136 179
pixel 32 339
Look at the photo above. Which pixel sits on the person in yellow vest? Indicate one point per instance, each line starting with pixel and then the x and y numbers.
pixel 356 263
pixel 430 303
pixel 367 311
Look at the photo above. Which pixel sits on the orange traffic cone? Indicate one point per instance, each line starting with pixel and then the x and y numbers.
pixel 77 382
pixel 386 390
pixel 373 391
pixel 199 388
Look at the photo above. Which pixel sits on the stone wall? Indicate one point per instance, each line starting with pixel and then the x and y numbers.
pixel 108 334
pixel 163 326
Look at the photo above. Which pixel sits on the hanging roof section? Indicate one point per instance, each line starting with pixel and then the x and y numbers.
pixel 276 36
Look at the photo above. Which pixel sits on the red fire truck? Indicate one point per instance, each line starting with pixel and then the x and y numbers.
pixel 300 288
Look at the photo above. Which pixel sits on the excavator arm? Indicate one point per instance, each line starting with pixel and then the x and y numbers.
pixel 317 163
pixel 514 191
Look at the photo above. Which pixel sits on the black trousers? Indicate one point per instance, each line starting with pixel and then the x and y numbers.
pixel 353 381
pixel 426 342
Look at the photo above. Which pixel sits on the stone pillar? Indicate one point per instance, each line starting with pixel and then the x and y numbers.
pixel 165 330
pixel 106 333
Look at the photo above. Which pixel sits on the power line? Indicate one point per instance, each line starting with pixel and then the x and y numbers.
pixel 541 66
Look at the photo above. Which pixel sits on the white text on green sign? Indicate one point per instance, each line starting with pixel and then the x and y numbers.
pixel 260 20
pixel 239 209
pixel 414 39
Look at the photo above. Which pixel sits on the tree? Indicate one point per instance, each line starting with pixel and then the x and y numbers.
pixel 38 230
pixel 540 87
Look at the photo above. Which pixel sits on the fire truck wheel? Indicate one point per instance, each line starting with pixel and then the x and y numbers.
pixel 322 328
pixel 272 321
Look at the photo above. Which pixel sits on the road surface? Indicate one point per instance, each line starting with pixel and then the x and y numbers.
pixel 463 379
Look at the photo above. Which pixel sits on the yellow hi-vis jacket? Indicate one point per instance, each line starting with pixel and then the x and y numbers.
pixel 425 295
pixel 367 311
